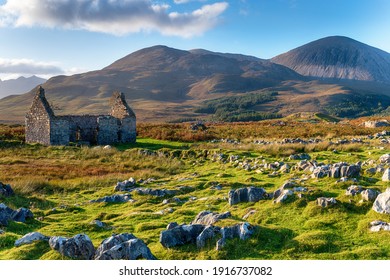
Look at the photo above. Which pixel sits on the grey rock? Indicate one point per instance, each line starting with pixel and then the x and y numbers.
pixel 180 235
pixel 22 214
pixel 155 192
pixel 300 157
pixel 206 235
pixel 353 190
pixel 116 198
pixel 371 170
pixel 2 231
pixel 369 194
pixel 326 201
pixel 30 238
pixel 78 247
pixel 172 225
pixel 385 159
pixel 283 196
pixel 6 190
pixel 249 194
pixel 99 224
pixel 123 247
pixel 208 218
pixel 376 226
pixel 5 214
pixel 382 203
pixel 386 175
pixel 172 200
pixel 126 185
pixel 242 231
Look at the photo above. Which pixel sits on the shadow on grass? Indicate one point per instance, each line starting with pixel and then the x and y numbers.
pixel 152 145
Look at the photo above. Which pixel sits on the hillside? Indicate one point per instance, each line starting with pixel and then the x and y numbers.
pixel 166 84
pixel 338 57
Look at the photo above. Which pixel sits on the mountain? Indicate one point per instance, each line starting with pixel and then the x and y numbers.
pixel 340 58
pixel 19 85
pixel 165 84
pixel 159 83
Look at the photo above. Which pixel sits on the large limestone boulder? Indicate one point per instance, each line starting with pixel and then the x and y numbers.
pixel 369 194
pixel 208 218
pixel 180 235
pixel 5 214
pixel 249 194
pixel 22 214
pixel 385 159
pixel 326 201
pixel 78 247
pixel 382 203
pixel 123 247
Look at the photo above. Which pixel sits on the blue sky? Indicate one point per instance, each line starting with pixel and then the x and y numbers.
pixel 51 37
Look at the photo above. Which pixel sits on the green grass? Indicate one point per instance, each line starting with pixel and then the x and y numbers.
pixel 57 183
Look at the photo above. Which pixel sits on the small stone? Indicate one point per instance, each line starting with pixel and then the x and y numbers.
pixel 283 196
pixel 30 238
pixel 250 213
pixel 353 190
pixel 326 201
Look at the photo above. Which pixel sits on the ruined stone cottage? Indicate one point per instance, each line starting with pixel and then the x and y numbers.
pixel 43 126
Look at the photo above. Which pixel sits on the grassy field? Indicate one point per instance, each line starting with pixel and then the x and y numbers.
pixel 57 183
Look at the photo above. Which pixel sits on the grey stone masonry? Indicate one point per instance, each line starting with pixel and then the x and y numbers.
pixel 42 126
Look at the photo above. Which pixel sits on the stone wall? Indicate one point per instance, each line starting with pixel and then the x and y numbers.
pixel 108 131
pixel 82 128
pixel 59 131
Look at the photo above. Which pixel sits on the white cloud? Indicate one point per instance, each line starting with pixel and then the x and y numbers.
pixel 10 68
pixel 117 17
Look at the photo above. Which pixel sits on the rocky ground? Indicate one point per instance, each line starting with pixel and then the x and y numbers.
pixel 189 201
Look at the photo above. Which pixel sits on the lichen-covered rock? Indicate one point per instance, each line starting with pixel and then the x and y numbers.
pixel 385 159
pixel 386 175
pixel 22 214
pixel 249 194
pixel 180 235
pixel 382 203
pixel 5 214
pixel 376 226
pixel 353 190
pixel 78 247
pixel 6 190
pixel 369 194
pixel 206 235
pixel 30 238
pixel 208 218
pixel 326 201
pixel 242 231
pixel 283 196
pixel 123 247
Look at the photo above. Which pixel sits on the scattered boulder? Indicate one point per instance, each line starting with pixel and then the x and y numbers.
pixel 116 198
pixel 249 194
pixel 386 175
pixel 30 238
pixel 385 159
pixel 302 156
pixel 242 231
pixel 369 194
pixel 207 234
pixel 7 214
pixel 6 190
pixel 208 218
pixel 326 201
pixel 172 225
pixel 353 190
pixel 99 224
pixel 283 196
pixel 78 247
pixel 382 203
pixel 180 235
pixel 123 247
pixel 376 226
pixel 172 200
pixel 2 231
pixel 125 185
pixel 22 214
pixel 155 192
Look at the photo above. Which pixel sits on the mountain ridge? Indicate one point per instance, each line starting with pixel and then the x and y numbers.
pixel 163 83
